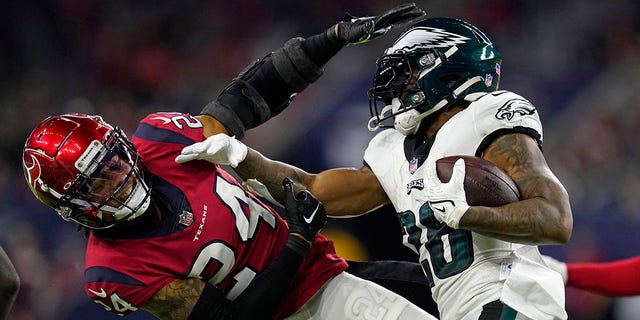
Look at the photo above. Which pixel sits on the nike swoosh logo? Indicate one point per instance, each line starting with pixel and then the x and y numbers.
pixel 310 218
pixel 441 209
pixel 101 294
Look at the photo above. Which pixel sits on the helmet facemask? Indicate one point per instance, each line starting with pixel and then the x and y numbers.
pixel 110 188
pixel 395 87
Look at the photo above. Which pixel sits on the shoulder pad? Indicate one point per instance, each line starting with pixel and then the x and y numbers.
pixel 382 148
pixel 503 109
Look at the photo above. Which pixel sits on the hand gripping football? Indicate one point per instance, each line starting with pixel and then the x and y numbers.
pixel 484 183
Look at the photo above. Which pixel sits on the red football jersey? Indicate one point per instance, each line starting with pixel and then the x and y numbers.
pixel 217 231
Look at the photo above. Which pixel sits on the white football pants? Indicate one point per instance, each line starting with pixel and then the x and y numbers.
pixel 347 297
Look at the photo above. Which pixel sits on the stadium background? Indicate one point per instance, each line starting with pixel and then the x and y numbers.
pixel 577 61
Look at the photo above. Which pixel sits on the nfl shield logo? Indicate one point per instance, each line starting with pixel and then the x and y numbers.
pixel 185 218
pixel 488 80
pixel 413 165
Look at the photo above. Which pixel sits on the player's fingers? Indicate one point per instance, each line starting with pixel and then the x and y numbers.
pixel 458 172
pixel 194 148
pixel 432 174
pixel 186 157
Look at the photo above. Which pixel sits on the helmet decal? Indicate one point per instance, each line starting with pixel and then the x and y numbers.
pixel 428 38
pixel 488 79
pixel 33 175
pixel 33 172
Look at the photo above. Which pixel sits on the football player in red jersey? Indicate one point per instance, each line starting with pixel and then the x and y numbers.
pixel 437 90
pixel 187 241
pixel 618 278
pixel 9 284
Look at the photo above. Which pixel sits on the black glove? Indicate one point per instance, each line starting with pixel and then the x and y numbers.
pixel 303 212
pixel 353 30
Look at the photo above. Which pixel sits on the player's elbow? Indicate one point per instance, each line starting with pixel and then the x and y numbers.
pixel 562 227
pixel 558 218
pixel 563 233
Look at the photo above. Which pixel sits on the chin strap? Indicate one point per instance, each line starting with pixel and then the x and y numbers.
pixel 408 122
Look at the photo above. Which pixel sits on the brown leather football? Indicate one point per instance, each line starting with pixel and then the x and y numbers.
pixel 485 184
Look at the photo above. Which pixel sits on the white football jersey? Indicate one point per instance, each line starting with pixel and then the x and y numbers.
pixel 467 270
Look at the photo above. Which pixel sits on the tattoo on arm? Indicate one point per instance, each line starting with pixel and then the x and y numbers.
pixel 544 214
pixel 176 300
pixel 520 156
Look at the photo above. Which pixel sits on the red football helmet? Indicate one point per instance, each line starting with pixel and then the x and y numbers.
pixel 86 170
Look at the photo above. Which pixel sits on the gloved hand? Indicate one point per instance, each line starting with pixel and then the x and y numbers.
pixel 447 200
pixel 353 30
pixel 557 266
pixel 303 212
pixel 220 149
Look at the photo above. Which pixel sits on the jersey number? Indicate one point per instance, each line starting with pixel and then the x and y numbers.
pixel 179 119
pixel 118 305
pixel 220 253
pixel 450 250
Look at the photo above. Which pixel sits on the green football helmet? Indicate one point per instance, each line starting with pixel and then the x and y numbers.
pixel 433 64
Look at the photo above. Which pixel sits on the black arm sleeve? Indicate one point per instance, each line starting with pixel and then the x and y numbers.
pixel 263 296
pixel 268 86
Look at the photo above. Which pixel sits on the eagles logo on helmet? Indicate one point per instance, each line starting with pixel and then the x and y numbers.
pixel 433 64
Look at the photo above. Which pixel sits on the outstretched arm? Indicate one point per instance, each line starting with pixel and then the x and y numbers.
pixel 619 278
pixel 268 86
pixel 616 278
pixel 9 285
pixel 344 192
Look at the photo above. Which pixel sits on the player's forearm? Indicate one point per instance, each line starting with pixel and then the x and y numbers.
pixel 267 87
pixel 176 300
pixel 617 279
pixel 532 221
pixel 271 173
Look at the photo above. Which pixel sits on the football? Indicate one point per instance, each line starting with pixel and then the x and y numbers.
pixel 485 184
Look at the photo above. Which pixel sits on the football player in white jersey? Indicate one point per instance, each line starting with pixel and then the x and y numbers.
pixel 438 86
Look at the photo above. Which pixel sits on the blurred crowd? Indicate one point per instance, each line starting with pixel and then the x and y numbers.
pixel 576 60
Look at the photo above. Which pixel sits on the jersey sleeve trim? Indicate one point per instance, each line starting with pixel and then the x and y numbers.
pixel 500 132
pixel 151 133
pixel 104 274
